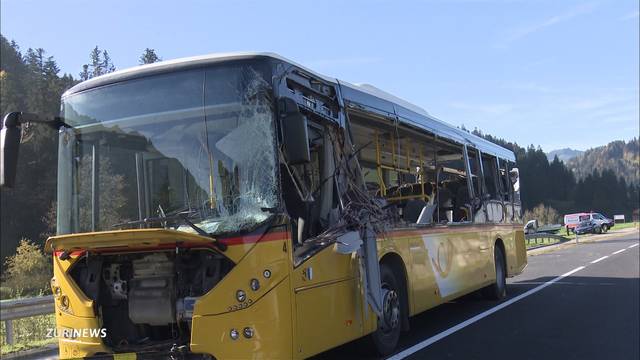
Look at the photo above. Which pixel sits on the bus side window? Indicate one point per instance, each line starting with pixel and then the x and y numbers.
pixel 475 174
pixel 505 182
pixel 370 174
pixel 514 176
pixel 490 170
pixel 313 217
pixel 452 192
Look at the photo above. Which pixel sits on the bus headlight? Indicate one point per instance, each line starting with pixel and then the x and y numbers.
pixel 234 334
pixel 248 332
pixel 64 302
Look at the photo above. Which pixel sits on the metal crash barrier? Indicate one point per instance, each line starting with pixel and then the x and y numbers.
pixel 23 308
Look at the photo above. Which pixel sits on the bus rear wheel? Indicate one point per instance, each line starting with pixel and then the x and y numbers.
pixel 386 337
pixel 497 290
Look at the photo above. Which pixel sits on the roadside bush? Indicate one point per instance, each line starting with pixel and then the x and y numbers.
pixel 544 214
pixel 28 271
pixel 28 333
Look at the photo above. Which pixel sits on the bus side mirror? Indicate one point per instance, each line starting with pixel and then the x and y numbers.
pixel 10 142
pixel 294 132
pixel 9 145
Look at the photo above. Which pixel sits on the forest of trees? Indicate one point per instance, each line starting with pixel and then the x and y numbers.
pixel 605 188
pixel 31 81
pixel 618 156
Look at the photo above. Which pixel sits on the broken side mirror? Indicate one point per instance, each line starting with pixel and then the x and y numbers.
pixel 294 132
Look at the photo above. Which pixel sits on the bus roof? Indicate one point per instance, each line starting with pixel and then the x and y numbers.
pixel 363 96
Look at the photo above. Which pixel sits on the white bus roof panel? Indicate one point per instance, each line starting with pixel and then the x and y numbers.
pixel 364 95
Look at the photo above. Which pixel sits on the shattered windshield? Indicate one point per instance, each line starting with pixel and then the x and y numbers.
pixel 199 143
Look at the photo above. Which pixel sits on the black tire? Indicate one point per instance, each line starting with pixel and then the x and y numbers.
pixel 385 340
pixel 597 230
pixel 497 290
pixel 605 228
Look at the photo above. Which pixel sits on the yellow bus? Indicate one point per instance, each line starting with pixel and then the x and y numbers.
pixel 241 206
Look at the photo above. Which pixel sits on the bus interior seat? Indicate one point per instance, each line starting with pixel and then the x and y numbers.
pixel 412 210
pixel 426 215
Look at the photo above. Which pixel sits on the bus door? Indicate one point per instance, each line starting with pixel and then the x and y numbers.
pixel 328 306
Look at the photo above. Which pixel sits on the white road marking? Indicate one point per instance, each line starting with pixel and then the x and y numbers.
pixel 634 245
pixel 598 260
pixel 421 345
pixel 619 251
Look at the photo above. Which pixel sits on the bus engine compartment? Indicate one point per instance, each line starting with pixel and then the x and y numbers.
pixel 145 300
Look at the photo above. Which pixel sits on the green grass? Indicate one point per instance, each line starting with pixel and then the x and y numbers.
pixel 625 225
pixel 28 333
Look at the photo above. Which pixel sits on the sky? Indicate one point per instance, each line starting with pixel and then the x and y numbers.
pixel 553 73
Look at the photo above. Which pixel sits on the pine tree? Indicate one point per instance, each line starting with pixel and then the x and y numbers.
pixel 107 64
pixel 12 77
pixel 99 64
pixel 84 74
pixel 95 65
pixel 149 56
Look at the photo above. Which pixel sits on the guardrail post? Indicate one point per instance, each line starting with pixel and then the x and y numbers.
pixel 8 327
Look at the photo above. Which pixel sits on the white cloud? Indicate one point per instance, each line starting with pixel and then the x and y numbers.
pixel 531 87
pixel 486 109
pixel 525 31
pixel 344 61
pixel 552 116
pixel 602 101
pixel 631 15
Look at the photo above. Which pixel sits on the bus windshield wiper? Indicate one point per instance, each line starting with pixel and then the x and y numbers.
pixel 149 220
pixel 178 216
pixel 221 246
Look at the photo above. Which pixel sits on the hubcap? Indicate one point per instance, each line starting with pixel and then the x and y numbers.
pixel 390 311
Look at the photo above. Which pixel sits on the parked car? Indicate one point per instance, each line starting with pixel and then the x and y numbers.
pixel 571 221
pixel 587 227
pixel 531 227
pixel 604 222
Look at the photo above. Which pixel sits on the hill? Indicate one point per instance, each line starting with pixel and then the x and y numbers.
pixel 623 158
pixel 564 155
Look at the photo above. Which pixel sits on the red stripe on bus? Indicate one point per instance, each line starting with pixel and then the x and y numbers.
pixel 250 239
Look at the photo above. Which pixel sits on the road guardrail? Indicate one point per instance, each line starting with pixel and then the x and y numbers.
pixel 543 238
pixel 23 308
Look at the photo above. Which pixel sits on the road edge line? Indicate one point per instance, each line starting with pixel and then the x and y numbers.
pixel 423 344
pixel 600 259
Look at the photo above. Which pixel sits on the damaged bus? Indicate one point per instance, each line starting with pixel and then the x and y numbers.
pixel 241 205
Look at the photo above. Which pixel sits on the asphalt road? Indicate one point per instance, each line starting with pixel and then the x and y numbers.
pixel 580 302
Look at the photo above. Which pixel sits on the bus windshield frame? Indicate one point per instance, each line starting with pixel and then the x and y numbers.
pixel 197 144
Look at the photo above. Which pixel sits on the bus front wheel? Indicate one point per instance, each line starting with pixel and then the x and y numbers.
pixel 386 337
pixel 497 290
